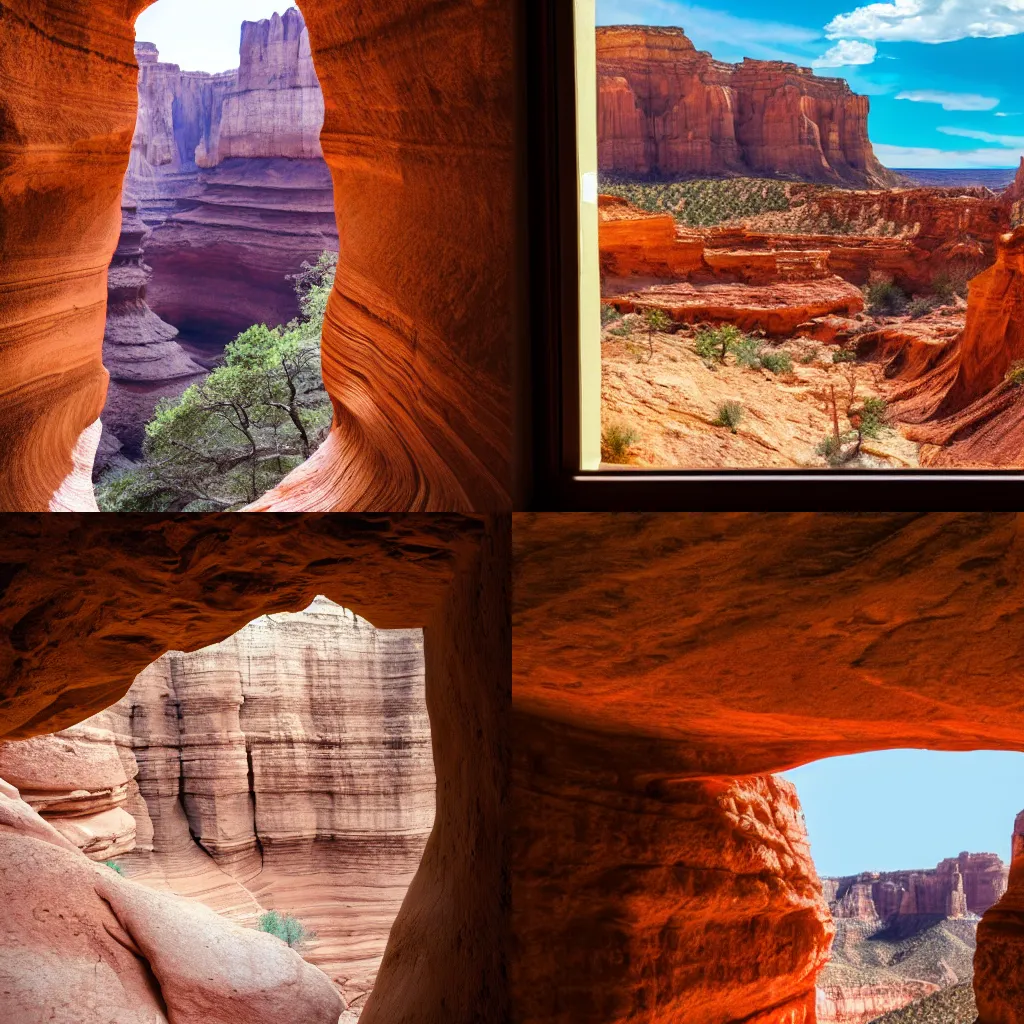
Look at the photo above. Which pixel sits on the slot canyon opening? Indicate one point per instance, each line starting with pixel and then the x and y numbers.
pixel 282 777
pixel 911 848
pixel 228 245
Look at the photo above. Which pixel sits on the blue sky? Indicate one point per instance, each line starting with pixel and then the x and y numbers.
pixel 896 809
pixel 943 75
pixel 172 25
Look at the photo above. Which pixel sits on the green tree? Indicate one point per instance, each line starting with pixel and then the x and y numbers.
pixel 287 928
pixel 234 435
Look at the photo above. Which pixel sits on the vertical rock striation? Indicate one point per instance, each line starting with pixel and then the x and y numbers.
pixel 229 171
pixel 666 109
pixel 288 767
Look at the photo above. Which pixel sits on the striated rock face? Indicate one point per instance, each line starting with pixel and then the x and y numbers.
pixel 82 944
pixel 957 886
pixel 140 352
pixel 230 173
pixel 658 652
pixel 420 295
pixel 999 962
pixel 295 754
pixel 666 109
pixel 861 1004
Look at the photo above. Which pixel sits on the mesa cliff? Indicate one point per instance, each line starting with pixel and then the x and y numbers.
pixel 666 109
pixel 286 768
pixel 228 170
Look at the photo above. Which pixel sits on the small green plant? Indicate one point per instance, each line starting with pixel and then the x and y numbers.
pixel 830 448
pixel 807 356
pixel 872 416
pixel 287 928
pixel 920 307
pixel 748 352
pixel 616 440
pixel 114 866
pixel 844 355
pixel 729 415
pixel 884 297
pixel 609 315
pixel 657 320
pixel 715 343
pixel 776 362
pixel 1015 374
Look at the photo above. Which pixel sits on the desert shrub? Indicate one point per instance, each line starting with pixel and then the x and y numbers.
pixel 920 307
pixel 748 352
pixel 114 866
pixel 609 315
pixel 949 283
pixel 287 928
pixel 1015 374
pixel 729 415
pixel 884 297
pixel 715 343
pixel 830 448
pixel 622 331
pixel 872 416
pixel 844 355
pixel 807 356
pixel 775 361
pixel 616 440
pixel 657 320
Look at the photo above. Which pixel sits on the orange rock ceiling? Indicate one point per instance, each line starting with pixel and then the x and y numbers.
pixel 659 662
pixel 412 357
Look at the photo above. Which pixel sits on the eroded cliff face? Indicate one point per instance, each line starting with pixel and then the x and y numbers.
pixel 229 171
pixel 287 767
pixel 666 109
pixel 140 351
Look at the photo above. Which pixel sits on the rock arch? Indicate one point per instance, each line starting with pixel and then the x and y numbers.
pixel 662 666
pixel 415 346
pixel 87 601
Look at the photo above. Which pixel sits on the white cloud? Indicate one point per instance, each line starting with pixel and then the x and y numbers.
pixel 930 21
pixel 921 156
pixel 971 133
pixel 1002 113
pixel 949 100
pixel 845 53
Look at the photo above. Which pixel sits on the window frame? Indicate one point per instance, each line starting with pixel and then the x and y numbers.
pixel 550 413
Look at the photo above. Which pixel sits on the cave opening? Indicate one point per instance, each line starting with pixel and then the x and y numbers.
pixel 912 847
pixel 282 777
pixel 226 255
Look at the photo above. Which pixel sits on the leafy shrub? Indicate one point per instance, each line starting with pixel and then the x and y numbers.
pixel 616 440
pixel 1015 374
pixel 657 320
pixel 622 331
pixel 609 315
pixel 715 343
pixel 830 448
pixel 920 307
pixel 729 415
pixel 884 297
pixel 844 355
pixel 872 416
pixel 748 352
pixel 287 928
pixel 776 362
pixel 114 866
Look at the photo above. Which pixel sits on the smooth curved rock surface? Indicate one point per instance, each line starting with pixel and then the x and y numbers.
pixel 416 348
pixel 86 946
pixel 655 653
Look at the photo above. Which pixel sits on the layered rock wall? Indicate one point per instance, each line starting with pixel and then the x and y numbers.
pixel 295 755
pixel 957 886
pixel 666 109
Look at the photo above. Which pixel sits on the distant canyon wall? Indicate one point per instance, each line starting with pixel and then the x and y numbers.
pixel 287 768
pixel 956 887
pixel 666 109
pixel 228 170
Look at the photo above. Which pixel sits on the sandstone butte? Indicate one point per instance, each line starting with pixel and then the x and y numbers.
pixel 229 173
pixel 89 604
pixel 417 344
pixel 663 668
pixel 285 768
pixel 666 109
